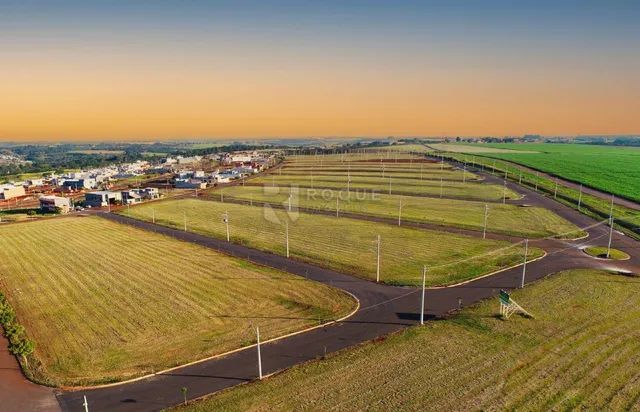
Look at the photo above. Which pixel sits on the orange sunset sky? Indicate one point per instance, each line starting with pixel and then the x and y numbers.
pixel 119 70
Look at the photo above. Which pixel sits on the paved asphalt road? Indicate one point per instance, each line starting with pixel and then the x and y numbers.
pixel 384 309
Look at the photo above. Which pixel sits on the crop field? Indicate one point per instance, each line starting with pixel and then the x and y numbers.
pixel 347 245
pixel 502 218
pixel 434 188
pixel 105 302
pixel 610 169
pixel 579 353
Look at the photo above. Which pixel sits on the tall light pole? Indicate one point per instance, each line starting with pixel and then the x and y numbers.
pixel 286 229
pixel 504 192
pixel 610 236
pixel 259 354
pixel 424 281
pixel 580 198
pixel 486 215
pixel 524 265
pixel 378 259
pixel 400 212
pixel 225 219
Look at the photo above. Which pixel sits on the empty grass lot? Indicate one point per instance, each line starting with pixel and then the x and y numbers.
pixel 347 245
pixel 417 174
pixel 579 353
pixel 507 219
pixel 433 188
pixel 105 302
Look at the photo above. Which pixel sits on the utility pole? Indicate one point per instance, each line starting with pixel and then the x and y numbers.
pixel 486 215
pixel 424 281
pixel 441 186
pixel 520 179
pixel 524 265
pixel 504 192
pixel 225 219
pixel 286 229
pixel 555 191
pixel 400 213
pixel 610 236
pixel 611 227
pixel 289 200
pixel 378 259
pixel 580 198
pixel 259 355
pixel 85 404
pixel 537 176
pixel 337 204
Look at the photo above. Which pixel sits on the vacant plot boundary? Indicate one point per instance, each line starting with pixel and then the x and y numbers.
pixel 346 245
pixel 579 352
pixel 107 302
pixel 506 219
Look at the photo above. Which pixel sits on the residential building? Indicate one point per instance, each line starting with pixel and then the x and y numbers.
pixel 10 191
pixel 102 198
pixel 52 204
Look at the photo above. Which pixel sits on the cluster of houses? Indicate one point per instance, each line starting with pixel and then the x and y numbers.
pixel 75 181
pixel 186 171
pixel 102 198
pixel 237 165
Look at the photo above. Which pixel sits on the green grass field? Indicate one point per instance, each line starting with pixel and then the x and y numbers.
pixel 610 169
pixel 416 174
pixel 433 188
pixel 579 353
pixel 106 302
pixel 601 252
pixel 508 219
pixel 347 245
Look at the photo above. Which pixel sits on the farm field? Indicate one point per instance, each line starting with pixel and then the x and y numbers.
pixel 579 353
pixel 346 245
pixel 610 169
pixel 503 218
pixel 106 302
pixel 434 188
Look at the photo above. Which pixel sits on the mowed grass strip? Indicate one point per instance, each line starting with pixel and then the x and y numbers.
pixel 579 353
pixel 425 174
pixel 455 189
pixel 502 218
pixel 346 245
pixel 105 302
